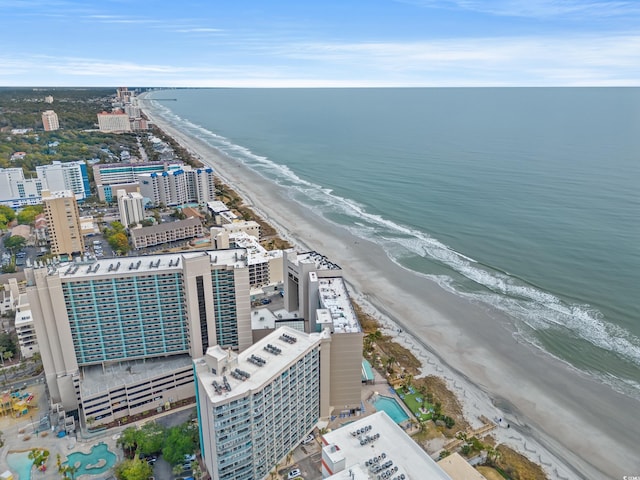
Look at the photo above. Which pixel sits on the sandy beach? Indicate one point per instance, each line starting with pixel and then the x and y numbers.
pixel 572 425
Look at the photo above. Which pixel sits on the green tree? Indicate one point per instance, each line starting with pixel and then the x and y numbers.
pixel 8 213
pixel 39 456
pixel 151 438
pixel 27 215
pixel 119 242
pixel 133 469
pixel 66 471
pixel 177 445
pixel 128 440
pixel 14 243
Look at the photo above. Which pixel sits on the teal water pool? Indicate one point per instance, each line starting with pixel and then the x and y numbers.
pixel 20 464
pixel 92 463
pixel 391 407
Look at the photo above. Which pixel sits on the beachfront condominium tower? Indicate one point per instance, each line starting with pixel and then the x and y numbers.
pixel 50 121
pixel 117 336
pixel 63 220
pixel 111 177
pixel 314 287
pixel 255 407
pixel 178 187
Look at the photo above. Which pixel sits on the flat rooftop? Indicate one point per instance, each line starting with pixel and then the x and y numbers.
pixel 98 379
pixel 23 317
pixel 256 253
pixel 262 318
pixel 391 444
pixel 321 261
pixel 335 299
pixel 258 375
pixel 116 267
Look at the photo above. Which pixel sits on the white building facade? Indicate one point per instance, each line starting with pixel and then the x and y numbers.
pixel 131 207
pixel 255 407
pixel 16 191
pixel 66 176
pixel 178 187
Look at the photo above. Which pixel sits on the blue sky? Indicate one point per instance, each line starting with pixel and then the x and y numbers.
pixel 306 43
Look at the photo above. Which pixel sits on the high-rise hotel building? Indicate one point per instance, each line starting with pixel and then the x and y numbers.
pixel 255 407
pixel 117 336
pixel 50 120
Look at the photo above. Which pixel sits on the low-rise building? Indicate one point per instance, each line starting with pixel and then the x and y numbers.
pixel 144 237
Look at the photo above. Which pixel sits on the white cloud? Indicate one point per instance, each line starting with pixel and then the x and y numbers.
pixel 530 61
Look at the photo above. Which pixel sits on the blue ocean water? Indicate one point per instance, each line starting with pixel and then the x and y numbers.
pixel 522 198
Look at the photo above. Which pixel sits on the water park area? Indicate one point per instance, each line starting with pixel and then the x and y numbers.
pixel 98 460
pixel 38 441
pixel 18 403
pixel 49 463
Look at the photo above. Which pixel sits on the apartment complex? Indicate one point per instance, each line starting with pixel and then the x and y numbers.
pixel 116 335
pixel 17 191
pixel 144 237
pixel 178 187
pixel 50 120
pixel 111 177
pixel 66 176
pixel 376 447
pixel 114 122
pixel 63 221
pixel 131 208
pixel 255 407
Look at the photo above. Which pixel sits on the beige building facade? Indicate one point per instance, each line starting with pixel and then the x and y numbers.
pixel 63 221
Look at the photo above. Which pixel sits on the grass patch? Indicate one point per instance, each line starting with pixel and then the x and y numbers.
pixel 490 473
pixel 414 402
pixel 517 466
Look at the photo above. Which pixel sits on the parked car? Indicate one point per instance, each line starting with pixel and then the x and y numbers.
pixel 189 458
pixel 308 439
pixel 295 473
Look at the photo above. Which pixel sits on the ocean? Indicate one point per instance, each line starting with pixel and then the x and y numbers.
pixel 525 199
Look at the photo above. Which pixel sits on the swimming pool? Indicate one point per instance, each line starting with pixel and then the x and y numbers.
pixel 20 464
pixel 391 407
pixel 90 463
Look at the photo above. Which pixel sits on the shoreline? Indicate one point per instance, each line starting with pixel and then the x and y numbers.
pixel 490 370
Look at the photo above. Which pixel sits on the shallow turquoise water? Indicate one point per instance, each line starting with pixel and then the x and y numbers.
pixel 98 452
pixel 20 464
pixel 391 407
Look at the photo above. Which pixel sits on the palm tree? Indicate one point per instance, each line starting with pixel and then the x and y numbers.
pixel 289 457
pixel 408 379
pixel 492 455
pixel 389 364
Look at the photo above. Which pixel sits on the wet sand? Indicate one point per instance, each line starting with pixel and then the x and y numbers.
pixel 572 425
